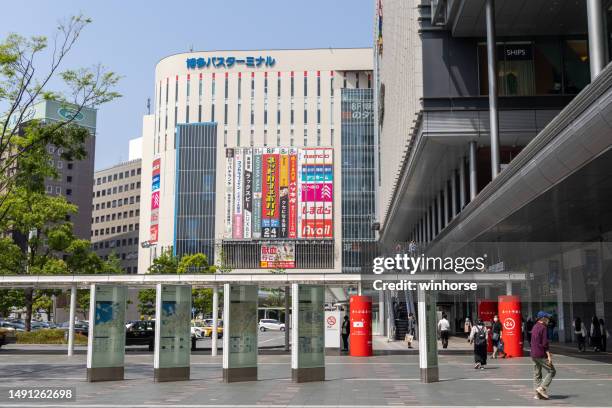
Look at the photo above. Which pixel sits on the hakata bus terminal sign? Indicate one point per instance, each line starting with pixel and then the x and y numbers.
pixel 251 61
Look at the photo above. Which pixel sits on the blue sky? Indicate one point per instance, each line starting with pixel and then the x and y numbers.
pixel 130 37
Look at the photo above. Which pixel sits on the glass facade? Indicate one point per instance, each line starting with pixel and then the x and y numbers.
pixel 196 160
pixel 358 196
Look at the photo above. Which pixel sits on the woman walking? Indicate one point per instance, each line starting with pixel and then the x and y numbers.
pixel 497 330
pixel 604 335
pixel 478 337
pixel 580 333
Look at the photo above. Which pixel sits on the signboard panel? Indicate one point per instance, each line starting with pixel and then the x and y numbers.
pixel 229 191
pixel 308 335
pixel 172 332
pixel 106 345
pixel 240 332
pixel 155 200
pixel 279 193
pixel 278 255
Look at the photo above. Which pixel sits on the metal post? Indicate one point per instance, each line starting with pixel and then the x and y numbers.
pixel 73 299
pixel 446 207
pixel 462 182
pixel 596 37
pixel 492 75
pixel 473 174
pixel 454 194
pixel 287 321
pixel 215 317
pixel 439 204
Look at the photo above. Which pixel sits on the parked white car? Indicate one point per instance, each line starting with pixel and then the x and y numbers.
pixel 197 328
pixel 271 324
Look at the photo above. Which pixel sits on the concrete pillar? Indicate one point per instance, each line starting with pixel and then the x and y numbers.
pixel 215 317
pixel 381 312
pixel 287 321
pixel 462 183
pixel 560 310
pixel 454 194
pixel 487 292
pixel 73 299
pixel 446 207
pixel 492 77
pixel 428 225
pixel 428 346
pixel 439 207
pixel 508 287
pixel 596 37
pixel 473 171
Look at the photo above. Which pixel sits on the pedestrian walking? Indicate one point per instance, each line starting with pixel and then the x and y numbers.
pixel 604 335
pixel 580 333
pixel 496 336
pixel 541 356
pixel 478 337
pixel 411 332
pixel 528 328
pixel 444 329
pixel 346 331
pixel 595 334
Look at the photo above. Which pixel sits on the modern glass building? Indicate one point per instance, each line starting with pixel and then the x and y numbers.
pixel 196 163
pixel 358 176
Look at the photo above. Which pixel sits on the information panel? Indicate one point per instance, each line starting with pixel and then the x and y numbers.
pixel 106 345
pixel 172 332
pixel 308 358
pixel 240 332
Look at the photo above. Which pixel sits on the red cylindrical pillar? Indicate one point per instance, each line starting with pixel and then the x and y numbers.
pixel 511 319
pixel 487 308
pixel 361 326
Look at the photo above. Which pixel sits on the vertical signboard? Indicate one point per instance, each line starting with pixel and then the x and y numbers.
pixel 257 184
pixel 270 211
pixel 360 308
pixel 172 333
pixel 248 192
pixel 293 193
pixel 229 191
pixel 316 200
pixel 308 335
pixel 237 227
pixel 510 318
pixel 106 345
pixel 240 332
pixel 155 199
pixel 283 189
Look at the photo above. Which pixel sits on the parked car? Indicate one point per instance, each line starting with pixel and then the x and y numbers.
pixel 197 328
pixel 7 335
pixel 80 327
pixel 141 333
pixel 271 324
pixel 208 329
pixel 11 325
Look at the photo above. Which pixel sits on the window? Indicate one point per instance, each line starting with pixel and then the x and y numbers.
pixel 131 227
pixel 212 112
pixel 225 86
pixel 125 201
pixel 225 114
pixel 114 203
pixel 125 213
pixel 125 228
pixel 253 85
pixel 132 186
pixel 97 206
pixel 103 205
pixel 70 165
pixel 131 213
pixel 60 164
pixel 98 181
pixel 292 85
pixel 331 85
pixel 138 171
pixel 104 179
pixel 114 177
pixel 278 117
pixel 199 113
pixel 292 116
pixel 305 137
pixel 239 86
pixel 68 191
pixel 119 216
pixel 576 65
pixel 137 212
pixel 137 198
pixel 133 172
pixel 266 85
pixel 318 85
pixel 121 189
pixel 132 200
pixel 238 115
pixel 278 86
pixel 112 230
pixel 58 190
pixel 176 89
pixel 356 79
pixel 97 193
pixel 113 216
pixel 305 85
pixel 136 226
pixel 138 184
pixel 114 190
pixel 120 176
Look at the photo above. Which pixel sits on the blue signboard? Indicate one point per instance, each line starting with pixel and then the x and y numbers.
pixel 228 62
pixel 317 173
pixel 155 184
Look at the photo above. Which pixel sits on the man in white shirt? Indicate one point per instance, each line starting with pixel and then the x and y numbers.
pixel 444 329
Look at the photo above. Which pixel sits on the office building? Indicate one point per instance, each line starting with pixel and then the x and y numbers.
pixel 494 137
pixel 225 122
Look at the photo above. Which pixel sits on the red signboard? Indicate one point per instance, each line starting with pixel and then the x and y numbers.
pixel 154 233
pixel 155 200
pixel 293 195
pixel 361 326
pixel 510 318
pixel 317 228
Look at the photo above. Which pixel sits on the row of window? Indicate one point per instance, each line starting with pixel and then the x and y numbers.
pixel 115 230
pixel 116 243
pixel 116 203
pixel 118 176
pixel 58 190
pixel 116 189
pixel 114 216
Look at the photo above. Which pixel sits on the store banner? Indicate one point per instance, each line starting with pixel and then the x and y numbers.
pixel 327 192
pixel 229 191
pixel 270 207
pixel 321 192
pixel 277 255
pixel 300 169
pixel 106 345
pixel 248 192
pixel 284 194
pixel 172 332
pixel 293 193
pixel 237 226
pixel 511 320
pixel 257 184
pixel 155 200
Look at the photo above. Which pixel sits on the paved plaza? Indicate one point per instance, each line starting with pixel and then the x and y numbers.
pixel 390 378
